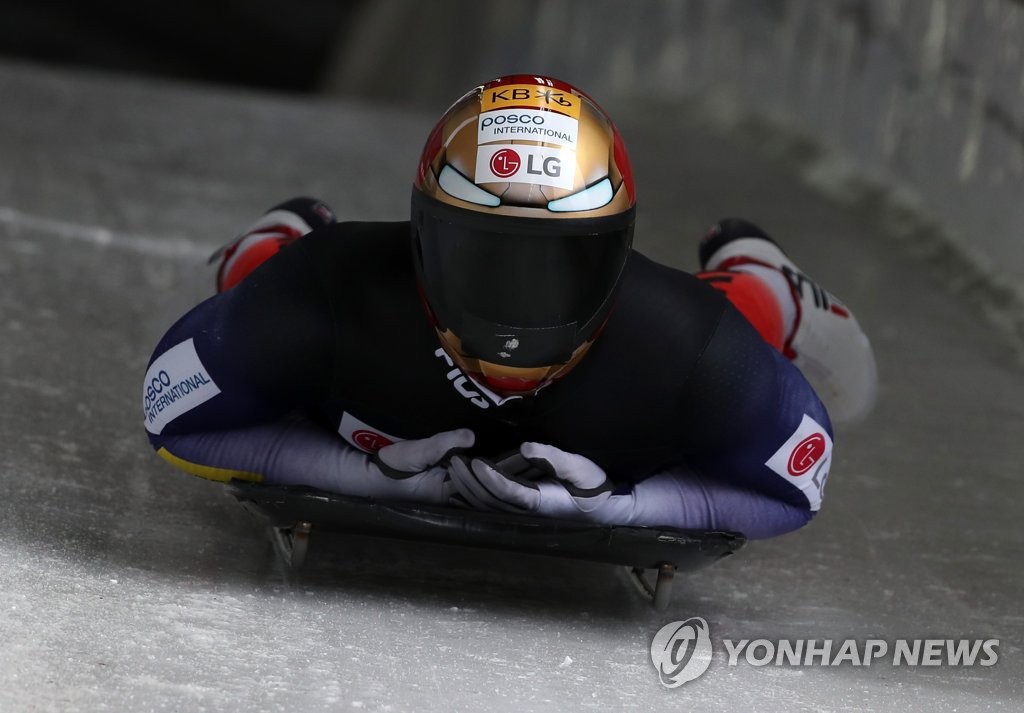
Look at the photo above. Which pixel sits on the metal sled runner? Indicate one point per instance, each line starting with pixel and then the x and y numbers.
pixel 294 513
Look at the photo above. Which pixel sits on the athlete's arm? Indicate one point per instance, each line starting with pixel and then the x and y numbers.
pixel 225 376
pixel 759 454
pixel 297 451
pixel 245 356
pixel 767 445
pixel 687 499
pixel 230 387
pixel 579 489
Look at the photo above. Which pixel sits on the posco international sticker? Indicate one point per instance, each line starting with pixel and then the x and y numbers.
pixel 176 382
pixel 528 124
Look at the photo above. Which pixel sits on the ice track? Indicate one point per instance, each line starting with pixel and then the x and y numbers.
pixel 127 586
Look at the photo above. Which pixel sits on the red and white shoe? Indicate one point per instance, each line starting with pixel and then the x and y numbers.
pixel 823 338
pixel 281 225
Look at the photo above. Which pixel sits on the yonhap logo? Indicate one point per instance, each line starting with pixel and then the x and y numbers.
pixel 681 651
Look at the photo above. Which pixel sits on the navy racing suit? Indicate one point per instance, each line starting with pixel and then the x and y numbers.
pixel 327 347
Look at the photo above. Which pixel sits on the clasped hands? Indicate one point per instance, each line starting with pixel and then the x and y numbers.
pixel 537 478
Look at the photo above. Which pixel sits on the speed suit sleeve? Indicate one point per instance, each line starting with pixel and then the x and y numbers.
pixel 687 499
pixel 764 446
pixel 224 378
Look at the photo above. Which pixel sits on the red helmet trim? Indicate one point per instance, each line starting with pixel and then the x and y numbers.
pixel 430 150
pixel 622 161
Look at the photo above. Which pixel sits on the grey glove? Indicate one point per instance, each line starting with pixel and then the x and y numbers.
pixel 415 470
pixel 539 479
pixel 408 458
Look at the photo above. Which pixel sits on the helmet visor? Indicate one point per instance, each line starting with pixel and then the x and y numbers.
pixel 524 297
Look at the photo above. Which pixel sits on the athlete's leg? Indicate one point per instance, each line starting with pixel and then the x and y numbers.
pixel 819 333
pixel 279 226
pixel 755 300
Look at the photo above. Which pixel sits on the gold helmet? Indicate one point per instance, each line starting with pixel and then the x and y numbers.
pixel 522 222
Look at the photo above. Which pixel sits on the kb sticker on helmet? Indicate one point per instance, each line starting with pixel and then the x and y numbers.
pixel 520 163
pixel 532 96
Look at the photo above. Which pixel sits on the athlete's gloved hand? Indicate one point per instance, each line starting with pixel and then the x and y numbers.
pixel 538 479
pixel 418 469
pixel 407 458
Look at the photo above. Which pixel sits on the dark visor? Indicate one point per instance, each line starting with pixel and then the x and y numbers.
pixel 537 291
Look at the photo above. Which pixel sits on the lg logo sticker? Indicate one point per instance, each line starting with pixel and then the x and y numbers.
pixel 539 165
pixel 681 651
pixel 806 454
pixel 505 163
pixel 804 460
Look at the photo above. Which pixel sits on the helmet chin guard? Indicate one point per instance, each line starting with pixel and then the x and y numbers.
pixel 522 223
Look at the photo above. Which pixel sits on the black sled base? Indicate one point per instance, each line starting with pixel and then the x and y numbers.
pixel 293 513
